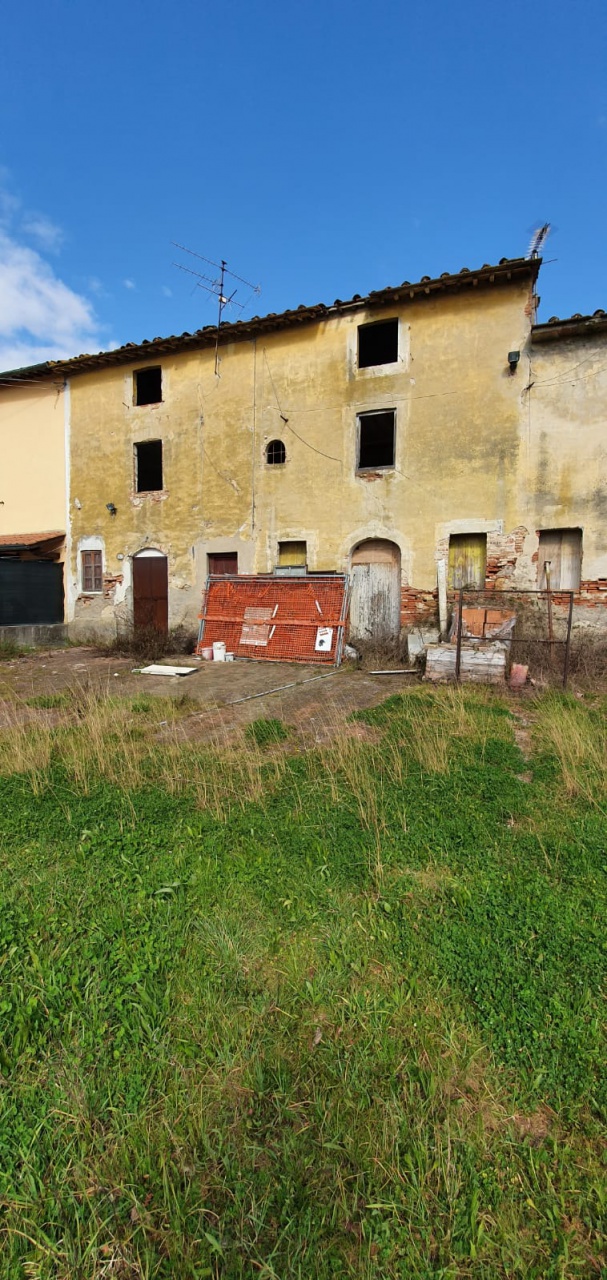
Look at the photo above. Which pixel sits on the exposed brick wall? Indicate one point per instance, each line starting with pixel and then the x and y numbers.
pixel 592 593
pixel 503 550
pixel 417 606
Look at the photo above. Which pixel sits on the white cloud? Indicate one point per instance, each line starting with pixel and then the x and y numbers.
pixel 48 236
pixel 129 284
pixel 41 318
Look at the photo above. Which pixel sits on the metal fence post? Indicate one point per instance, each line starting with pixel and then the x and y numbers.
pixel 458 651
pixel 568 642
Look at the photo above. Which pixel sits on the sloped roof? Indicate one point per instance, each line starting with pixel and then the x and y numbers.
pixel 18 541
pixel 577 326
pixel 507 271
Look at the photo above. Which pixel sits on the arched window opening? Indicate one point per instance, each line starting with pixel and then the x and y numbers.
pixel 276 453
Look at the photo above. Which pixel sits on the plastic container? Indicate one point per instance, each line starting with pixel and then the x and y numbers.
pixel 207 653
pixel 219 651
pixel 229 657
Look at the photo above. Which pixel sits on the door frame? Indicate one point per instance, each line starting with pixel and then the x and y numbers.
pixel 382 551
pixel 160 610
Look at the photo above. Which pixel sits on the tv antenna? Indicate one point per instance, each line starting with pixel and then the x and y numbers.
pixel 538 240
pixel 216 287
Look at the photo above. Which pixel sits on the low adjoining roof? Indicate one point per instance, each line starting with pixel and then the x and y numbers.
pixel 19 541
pixel 576 326
pixel 507 271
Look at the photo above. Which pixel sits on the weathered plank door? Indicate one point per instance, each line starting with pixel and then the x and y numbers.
pixel 150 592
pixel 467 560
pixel 375 601
pixel 562 550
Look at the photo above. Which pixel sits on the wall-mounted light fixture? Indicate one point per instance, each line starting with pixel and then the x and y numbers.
pixel 513 359
pixel 111 508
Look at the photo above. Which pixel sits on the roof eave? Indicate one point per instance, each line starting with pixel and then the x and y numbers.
pixel 575 327
pixel 507 271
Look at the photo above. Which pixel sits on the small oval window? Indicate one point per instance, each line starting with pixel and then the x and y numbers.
pixel 276 453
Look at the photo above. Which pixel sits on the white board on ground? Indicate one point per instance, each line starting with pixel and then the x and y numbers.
pixel 157 670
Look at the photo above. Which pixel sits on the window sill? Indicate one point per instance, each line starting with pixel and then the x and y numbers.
pixel 372 471
pixel 380 370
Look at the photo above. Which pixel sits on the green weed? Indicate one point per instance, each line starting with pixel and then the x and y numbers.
pixel 332 1013
pixel 266 732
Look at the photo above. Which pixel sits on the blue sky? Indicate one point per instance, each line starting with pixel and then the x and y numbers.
pixel 323 148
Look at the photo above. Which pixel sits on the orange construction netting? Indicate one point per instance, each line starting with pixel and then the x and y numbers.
pixel 299 619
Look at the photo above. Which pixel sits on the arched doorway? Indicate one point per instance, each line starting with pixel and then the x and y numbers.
pixel 150 590
pixel 375 602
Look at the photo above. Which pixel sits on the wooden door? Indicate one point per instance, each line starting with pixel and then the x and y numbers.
pixel 151 592
pixel 467 560
pixel 562 550
pixel 375 601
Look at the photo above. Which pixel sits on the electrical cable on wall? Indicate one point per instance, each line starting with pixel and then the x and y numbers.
pixel 329 456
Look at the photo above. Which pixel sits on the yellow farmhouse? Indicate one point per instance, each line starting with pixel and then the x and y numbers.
pixel 377 436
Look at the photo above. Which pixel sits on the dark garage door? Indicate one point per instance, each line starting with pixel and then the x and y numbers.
pixel 31 593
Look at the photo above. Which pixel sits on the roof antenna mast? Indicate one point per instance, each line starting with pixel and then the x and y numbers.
pixel 538 240
pixel 216 287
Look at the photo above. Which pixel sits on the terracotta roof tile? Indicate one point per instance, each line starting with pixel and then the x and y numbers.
pixel 506 270
pixel 29 539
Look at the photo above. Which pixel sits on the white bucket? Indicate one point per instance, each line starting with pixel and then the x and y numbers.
pixel 219 651
pixel 229 657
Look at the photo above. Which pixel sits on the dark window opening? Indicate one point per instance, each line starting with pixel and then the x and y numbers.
pixel 148 386
pixel 276 453
pixel 92 571
pixel 378 343
pixel 222 562
pixel 376 441
pixel 560 559
pixel 148 466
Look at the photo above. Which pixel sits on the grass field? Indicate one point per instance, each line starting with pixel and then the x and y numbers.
pixel 332 1013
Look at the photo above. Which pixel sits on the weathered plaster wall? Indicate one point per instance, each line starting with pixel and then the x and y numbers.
pixel 457 433
pixel 475 451
pixel 105 426
pixel 566 444
pixel 32 459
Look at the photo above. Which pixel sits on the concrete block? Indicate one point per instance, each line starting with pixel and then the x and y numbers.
pixel 40 636
pixel 486 665
pixel 419 639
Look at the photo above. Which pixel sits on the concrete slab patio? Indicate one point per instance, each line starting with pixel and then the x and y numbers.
pixel 219 697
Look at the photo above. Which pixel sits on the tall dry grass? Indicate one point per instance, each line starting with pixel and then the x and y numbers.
pixel 132 744
pixel 577 735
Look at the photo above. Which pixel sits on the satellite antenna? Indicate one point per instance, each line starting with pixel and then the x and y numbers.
pixel 216 287
pixel 538 240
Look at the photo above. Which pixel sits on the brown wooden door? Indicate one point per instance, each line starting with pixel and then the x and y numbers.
pixel 150 592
